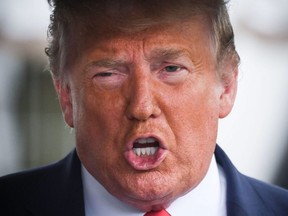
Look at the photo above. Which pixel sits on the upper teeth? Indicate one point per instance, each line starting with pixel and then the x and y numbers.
pixel 146 140
pixel 145 151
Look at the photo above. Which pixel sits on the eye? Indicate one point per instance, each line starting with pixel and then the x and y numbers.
pixel 172 68
pixel 104 74
pixel 173 74
pixel 110 79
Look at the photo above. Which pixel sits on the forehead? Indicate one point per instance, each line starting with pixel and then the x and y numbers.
pixel 186 32
pixel 104 28
pixel 158 43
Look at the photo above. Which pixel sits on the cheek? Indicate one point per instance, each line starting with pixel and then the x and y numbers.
pixel 99 110
pixel 99 133
pixel 194 114
pixel 97 118
pixel 194 123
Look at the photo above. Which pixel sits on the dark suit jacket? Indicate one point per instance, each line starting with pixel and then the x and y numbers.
pixel 57 190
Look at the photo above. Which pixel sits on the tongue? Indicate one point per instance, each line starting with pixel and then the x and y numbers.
pixel 146 145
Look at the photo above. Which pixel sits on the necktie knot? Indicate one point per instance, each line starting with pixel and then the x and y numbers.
pixel 162 212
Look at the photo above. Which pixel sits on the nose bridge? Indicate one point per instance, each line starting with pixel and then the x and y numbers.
pixel 141 101
pixel 141 90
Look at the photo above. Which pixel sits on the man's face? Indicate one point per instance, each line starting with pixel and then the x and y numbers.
pixel 145 109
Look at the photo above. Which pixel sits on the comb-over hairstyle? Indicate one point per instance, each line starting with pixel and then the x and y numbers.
pixel 72 20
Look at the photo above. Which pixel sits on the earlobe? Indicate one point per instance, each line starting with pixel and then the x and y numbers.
pixel 64 95
pixel 228 95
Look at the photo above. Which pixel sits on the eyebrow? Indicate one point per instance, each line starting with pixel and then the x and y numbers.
pixel 108 63
pixel 157 55
pixel 166 54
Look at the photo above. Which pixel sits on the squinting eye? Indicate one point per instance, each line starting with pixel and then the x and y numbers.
pixel 104 74
pixel 109 79
pixel 172 68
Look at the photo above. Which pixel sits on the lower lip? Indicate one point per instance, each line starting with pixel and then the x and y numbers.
pixel 145 162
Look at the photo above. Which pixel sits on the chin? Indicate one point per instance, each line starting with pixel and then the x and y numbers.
pixel 147 204
pixel 149 192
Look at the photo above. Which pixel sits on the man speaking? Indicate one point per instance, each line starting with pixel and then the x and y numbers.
pixel 143 83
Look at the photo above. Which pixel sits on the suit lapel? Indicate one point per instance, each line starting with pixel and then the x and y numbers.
pixel 242 198
pixel 61 188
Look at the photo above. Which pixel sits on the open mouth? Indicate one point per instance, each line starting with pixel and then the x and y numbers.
pixel 145 153
pixel 145 147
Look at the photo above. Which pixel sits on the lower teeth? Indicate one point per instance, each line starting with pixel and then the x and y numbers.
pixel 145 151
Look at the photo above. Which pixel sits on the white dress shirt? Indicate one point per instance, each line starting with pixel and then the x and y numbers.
pixel 207 199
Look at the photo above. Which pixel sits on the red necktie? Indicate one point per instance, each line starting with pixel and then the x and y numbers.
pixel 157 213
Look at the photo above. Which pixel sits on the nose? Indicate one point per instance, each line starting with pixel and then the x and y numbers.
pixel 141 102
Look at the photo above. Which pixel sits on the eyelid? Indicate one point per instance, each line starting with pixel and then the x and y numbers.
pixel 109 80
pixel 103 74
pixel 98 70
pixel 108 73
pixel 171 64
pixel 179 60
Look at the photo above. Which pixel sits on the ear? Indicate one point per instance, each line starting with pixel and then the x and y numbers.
pixel 228 95
pixel 64 95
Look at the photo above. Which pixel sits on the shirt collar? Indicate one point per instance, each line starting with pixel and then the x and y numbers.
pixel 208 198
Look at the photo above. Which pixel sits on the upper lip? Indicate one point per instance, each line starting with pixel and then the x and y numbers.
pixel 145 136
